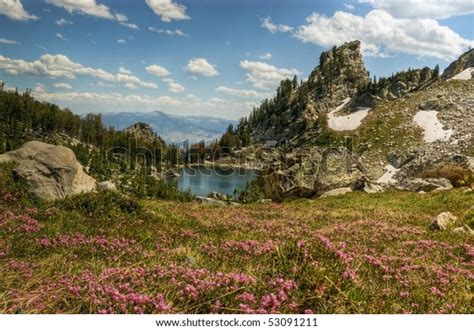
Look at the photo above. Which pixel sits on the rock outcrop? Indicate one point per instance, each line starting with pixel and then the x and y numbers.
pixel 465 61
pixel 51 172
pixel 311 172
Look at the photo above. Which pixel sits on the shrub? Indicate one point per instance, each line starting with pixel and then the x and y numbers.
pixel 457 175
pixel 146 186
pixel 103 203
pixel 13 189
pixel 250 194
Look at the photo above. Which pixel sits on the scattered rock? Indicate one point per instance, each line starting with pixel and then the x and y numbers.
pixel 464 230
pixel 372 188
pixel 430 184
pixel 209 201
pixel 336 192
pixel 442 221
pixel 106 186
pixel 52 172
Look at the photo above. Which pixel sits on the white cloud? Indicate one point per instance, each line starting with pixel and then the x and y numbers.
pixel 242 92
pixel 14 10
pixel 157 70
pixel 175 32
pixel 87 7
pixel 268 24
pixel 130 25
pixel 60 66
pixel 434 9
pixel 60 36
pixel 378 30
pixel 63 86
pixel 39 88
pixel 266 56
pixel 90 8
pixel 168 10
pixel 62 22
pixel 108 99
pixel 175 87
pixel 200 66
pixel 121 41
pixel 348 6
pixel 8 42
pixel 263 75
pixel 123 70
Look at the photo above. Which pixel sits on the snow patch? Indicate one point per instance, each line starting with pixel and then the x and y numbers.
pixel 387 177
pixel 432 127
pixel 349 122
pixel 464 75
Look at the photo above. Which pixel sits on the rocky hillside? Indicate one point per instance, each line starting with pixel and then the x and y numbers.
pixel 465 62
pixel 341 129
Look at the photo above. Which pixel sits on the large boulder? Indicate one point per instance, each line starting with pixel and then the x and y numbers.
pixel 52 172
pixel 312 173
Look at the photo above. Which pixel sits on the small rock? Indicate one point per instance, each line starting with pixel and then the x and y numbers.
pixel 464 230
pixel 209 201
pixel 372 188
pixel 443 221
pixel 106 186
pixel 336 192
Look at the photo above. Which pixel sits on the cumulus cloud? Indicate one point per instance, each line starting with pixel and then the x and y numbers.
pixel 63 86
pixel 8 42
pixel 157 70
pixel 124 71
pixel 268 24
pixel 60 66
pixel 175 32
pixel 378 30
pixel 175 88
pixel 168 10
pixel 14 10
pixel 60 36
pixel 242 92
pixel 263 75
pixel 266 56
pixel 62 22
pixel 200 66
pixel 91 8
pixel 121 41
pixel 435 9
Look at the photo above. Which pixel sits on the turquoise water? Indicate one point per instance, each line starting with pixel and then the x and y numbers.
pixel 204 180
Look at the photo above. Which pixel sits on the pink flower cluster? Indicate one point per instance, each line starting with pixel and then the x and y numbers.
pixel 99 242
pixel 20 223
pixel 247 248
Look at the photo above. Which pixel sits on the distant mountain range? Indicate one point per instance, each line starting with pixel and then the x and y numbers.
pixel 172 128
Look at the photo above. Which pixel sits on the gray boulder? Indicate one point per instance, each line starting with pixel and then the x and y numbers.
pixel 51 172
pixel 430 184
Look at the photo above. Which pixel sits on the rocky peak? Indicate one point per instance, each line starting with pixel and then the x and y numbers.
pixel 340 72
pixel 143 132
pixel 465 61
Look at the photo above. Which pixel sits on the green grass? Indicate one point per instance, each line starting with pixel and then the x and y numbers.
pixel 356 253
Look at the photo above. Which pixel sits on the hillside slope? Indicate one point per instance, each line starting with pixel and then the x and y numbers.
pixel 359 253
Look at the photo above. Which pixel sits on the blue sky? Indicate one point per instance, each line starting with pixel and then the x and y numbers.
pixel 209 57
